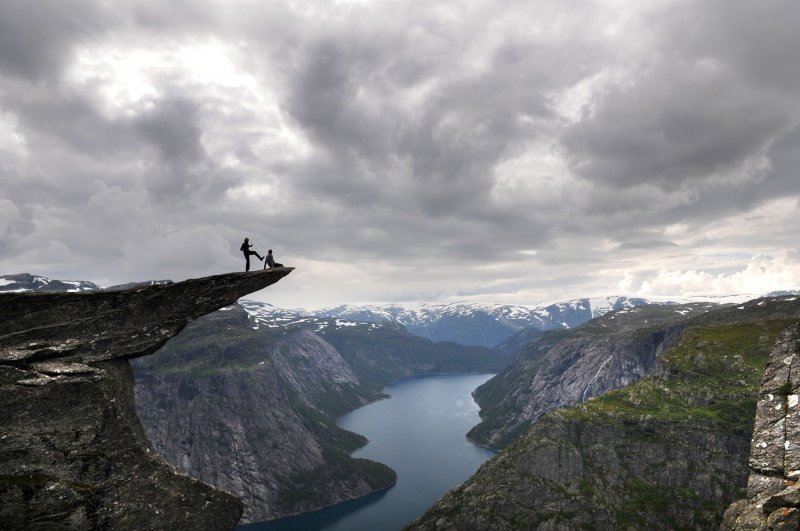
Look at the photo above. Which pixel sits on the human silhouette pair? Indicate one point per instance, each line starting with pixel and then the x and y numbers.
pixel 268 260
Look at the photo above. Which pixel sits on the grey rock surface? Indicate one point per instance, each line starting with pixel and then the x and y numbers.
pixel 669 451
pixel 773 495
pixel 72 451
pixel 557 371
pixel 256 419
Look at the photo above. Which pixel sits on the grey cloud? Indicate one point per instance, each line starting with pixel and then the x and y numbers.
pixel 756 39
pixel 171 127
pixel 37 38
pixel 646 244
pixel 434 159
pixel 782 178
pixel 715 94
pixel 70 118
pixel 701 128
pixel 673 126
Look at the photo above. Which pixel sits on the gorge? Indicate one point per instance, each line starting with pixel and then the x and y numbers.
pixel 248 402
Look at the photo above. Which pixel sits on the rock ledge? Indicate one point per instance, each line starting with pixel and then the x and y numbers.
pixel 72 451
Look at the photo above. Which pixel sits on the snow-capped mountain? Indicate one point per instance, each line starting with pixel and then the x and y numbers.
pixel 27 282
pixel 266 315
pixel 485 324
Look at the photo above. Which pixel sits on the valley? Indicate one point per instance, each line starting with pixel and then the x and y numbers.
pixel 633 417
pixel 244 375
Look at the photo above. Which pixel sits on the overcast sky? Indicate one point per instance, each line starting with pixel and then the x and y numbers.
pixel 390 150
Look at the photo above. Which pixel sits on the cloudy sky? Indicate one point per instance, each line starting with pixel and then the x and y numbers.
pixel 390 150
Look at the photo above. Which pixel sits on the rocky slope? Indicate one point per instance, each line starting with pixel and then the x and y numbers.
pixel 252 410
pixel 669 451
pixel 773 495
pixel 72 453
pixel 566 368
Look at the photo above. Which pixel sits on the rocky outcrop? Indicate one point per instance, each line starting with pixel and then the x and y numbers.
pixel 252 410
pixel 72 453
pixel 773 495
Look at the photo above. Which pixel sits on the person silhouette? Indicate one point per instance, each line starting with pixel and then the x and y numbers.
pixel 245 248
pixel 269 260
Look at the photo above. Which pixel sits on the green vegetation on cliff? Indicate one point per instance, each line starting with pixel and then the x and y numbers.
pixel 222 341
pixel 703 394
pixel 668 451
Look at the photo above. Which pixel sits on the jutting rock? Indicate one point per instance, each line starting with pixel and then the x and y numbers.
pixel 72 451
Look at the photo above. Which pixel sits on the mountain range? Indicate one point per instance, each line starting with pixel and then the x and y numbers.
pixel 508 327
pixel 23 282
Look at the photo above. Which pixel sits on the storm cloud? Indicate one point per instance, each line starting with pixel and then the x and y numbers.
pixel 508 151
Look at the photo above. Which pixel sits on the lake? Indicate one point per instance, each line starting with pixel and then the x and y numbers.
pixel 419 432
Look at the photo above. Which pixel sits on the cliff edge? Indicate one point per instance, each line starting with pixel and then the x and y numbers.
pixel 72 451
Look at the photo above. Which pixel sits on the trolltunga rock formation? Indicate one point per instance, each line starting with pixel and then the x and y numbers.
pixel 72 451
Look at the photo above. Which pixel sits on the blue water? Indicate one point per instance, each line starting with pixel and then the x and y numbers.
pixel 419 432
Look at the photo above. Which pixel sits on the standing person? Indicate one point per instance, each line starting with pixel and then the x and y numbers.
pixel 245 248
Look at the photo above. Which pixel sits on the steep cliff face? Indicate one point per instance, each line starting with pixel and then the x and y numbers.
pixel 669 451
pixel 773 496
pixel 253 411
pixel 382 353
pixel 72 453
pixel 561 369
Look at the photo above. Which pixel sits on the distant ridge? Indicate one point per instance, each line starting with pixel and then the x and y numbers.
pixel 23 282
pixel 27 282
pixel 479 323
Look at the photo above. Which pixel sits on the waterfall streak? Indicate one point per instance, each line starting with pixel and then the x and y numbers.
pixel 595 378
